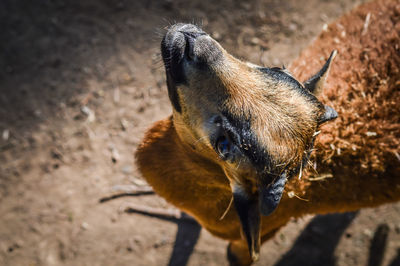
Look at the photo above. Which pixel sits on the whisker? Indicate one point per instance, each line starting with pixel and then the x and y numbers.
pixel 240 161
pixel 227 209
pixel 200 139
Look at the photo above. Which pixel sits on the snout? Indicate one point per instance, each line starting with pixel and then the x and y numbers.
pixel 187 46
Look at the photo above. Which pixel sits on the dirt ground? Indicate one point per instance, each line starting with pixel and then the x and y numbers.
pixel 79 84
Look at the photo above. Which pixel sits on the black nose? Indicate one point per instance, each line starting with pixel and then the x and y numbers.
pixel 179 42
pixel 190 38
pixel 186 46
pixel 176 46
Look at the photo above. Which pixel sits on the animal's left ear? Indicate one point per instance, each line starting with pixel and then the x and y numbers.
pixel 316 82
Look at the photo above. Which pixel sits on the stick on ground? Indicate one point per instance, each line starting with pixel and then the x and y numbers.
pixel 137 191
pixel 170 214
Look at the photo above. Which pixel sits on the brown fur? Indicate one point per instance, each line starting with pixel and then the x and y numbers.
pixel 363 88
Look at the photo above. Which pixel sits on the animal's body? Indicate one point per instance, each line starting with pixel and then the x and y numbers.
pixel 239 131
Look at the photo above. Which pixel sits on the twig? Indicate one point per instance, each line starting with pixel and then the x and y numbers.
pixel 291 194
pixel 138 191
pixel 366 23
pixel 173 214
pixel 397 155
pixel 321 177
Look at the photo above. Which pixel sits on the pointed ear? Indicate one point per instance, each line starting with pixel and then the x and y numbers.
pixel 329 114
pixel 316 82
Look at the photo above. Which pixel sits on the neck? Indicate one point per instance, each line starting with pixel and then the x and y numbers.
pixel 342 184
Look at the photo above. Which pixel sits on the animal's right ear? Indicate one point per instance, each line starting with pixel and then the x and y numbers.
pixel 316 82
pixel 329 114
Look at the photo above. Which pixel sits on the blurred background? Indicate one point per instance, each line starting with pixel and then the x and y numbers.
pixel 80 81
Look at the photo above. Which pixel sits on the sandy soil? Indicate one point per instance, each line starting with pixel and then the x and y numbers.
pixel 79 84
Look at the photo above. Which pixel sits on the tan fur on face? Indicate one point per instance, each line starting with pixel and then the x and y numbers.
pixel 282 119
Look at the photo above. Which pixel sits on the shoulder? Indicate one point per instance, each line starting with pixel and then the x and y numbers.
pixel 158 141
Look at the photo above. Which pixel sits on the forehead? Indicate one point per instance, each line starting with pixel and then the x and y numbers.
pixel 268 93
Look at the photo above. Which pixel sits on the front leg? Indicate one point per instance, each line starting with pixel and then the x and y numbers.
pixel 238 253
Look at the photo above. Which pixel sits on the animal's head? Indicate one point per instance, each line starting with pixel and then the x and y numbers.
pixel 257 123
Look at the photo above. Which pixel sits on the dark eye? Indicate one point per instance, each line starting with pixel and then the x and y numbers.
pixel 223 146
